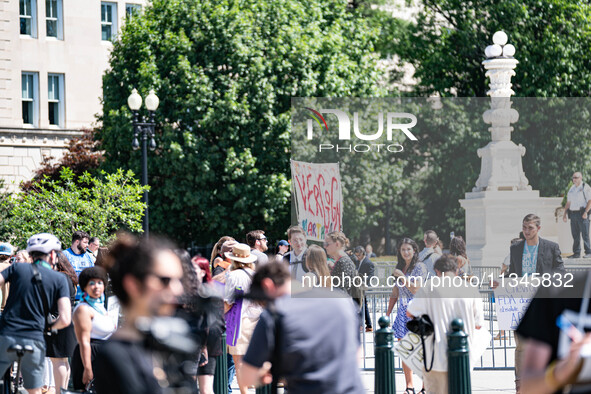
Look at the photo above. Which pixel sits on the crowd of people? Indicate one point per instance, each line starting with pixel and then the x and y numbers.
pixel 64 304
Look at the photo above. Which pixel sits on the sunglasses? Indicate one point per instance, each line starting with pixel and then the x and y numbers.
pixel 263 239
pixel 165 280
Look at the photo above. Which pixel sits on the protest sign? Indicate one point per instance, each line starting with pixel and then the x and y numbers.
pixel 318 198
pixel 511 302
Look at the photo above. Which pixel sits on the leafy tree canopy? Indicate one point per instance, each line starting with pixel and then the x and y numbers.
pixel 62 206
pixel 225 72
pixel 446 45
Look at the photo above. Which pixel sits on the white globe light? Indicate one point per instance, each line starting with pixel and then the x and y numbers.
pixel 493 51
pixel 134 100
pixel 500 38
pixel 152 101
pixel 508 50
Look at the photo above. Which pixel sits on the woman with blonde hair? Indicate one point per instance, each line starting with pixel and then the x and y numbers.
pixel 316 263
pixel 344 268
pixel 216 252
pixel 242 315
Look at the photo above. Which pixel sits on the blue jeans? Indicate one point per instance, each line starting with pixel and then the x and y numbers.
pixel 231 372
pixel 579 227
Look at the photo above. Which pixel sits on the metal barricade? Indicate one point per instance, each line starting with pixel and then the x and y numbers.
pixel 499 355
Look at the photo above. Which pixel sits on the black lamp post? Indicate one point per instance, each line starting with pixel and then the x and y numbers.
pixel 144 127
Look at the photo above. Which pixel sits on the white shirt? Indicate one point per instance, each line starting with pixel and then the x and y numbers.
pixel 241 278
pixel 430 261
pixel 299 269
pixel 464 303
pixel 578 196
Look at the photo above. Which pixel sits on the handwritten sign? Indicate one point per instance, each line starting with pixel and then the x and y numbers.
pixel 511 304
pixel 410 350
pixel 318 198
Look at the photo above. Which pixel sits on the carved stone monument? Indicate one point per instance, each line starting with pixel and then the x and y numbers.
pixel 502 195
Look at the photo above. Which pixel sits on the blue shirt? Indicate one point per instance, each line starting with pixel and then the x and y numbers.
pixel 79 263
pixel 529 259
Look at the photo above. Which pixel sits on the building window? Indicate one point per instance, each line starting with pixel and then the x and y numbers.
pixel 55 99
pixel 108 21
pixel 53 18
pixel 30 97
pixel 28 17
pixel 132 10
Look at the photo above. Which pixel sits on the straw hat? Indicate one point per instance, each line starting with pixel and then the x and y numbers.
pixel 241 253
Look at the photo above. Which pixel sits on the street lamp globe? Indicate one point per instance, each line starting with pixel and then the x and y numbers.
pixel 152 101
pixel 134 100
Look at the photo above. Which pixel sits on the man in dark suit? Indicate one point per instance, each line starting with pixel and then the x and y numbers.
pixel 532 255
pixel 535 254
pixel 366 270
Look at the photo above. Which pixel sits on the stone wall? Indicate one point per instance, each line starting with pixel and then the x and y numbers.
pixel 22 151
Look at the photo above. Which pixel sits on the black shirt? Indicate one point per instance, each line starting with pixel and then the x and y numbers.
pixel 124 367
pixel 23 315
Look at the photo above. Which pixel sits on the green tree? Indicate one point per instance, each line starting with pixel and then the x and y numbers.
pixel 62 206
pixel 225 72
pixel 446 45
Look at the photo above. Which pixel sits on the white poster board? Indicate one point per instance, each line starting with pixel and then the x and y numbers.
pixel 318 198
pixel 511 302
pixel 113 309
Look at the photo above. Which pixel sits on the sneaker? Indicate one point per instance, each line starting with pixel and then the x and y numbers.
pixel 574 256
pixel 368 329
pixel 587 256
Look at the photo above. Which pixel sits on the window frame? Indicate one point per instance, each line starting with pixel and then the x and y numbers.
pixel 58 19
pixel 132 6
pixel 32 18
pixel 112 23
pixel 60 101
pixel 33 100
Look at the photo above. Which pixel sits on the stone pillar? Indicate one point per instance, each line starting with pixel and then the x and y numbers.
pixel 502 195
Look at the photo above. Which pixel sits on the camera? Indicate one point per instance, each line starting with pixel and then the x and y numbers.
pixel 177 341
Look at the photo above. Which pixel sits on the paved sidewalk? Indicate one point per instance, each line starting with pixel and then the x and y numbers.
pixel 482 382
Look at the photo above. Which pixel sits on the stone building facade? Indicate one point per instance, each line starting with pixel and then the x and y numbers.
pixel 53 54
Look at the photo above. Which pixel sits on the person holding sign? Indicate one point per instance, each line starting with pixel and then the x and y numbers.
pixel 443 302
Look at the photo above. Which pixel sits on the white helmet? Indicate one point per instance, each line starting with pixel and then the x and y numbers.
pixel 43 243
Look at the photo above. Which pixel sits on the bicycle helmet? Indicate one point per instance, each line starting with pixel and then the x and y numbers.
pixel 43 243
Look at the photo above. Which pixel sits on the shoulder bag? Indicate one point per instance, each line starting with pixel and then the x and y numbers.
pixel 423 326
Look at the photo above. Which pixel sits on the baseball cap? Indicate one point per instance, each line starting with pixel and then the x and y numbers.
pixel 6 249
pixel 283 243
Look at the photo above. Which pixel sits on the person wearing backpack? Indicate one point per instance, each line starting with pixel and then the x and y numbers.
pixel 429 255
pixel 26 317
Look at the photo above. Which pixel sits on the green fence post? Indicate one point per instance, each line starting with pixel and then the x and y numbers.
pixel 220 379
pixel 458 356
pixel 384 369
pixel 264 389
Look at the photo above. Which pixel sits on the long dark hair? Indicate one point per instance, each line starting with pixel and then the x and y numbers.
pixel 457 247
pixel 401 262
pixel 63 265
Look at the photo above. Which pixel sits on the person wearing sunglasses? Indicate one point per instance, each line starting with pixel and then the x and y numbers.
pixel 258 245
pixel 92 325
pixel 146 278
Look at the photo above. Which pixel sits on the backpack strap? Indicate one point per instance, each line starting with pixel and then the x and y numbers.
pixel 39 282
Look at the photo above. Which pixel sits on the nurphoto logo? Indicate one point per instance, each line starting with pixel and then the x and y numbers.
pixel 395 121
